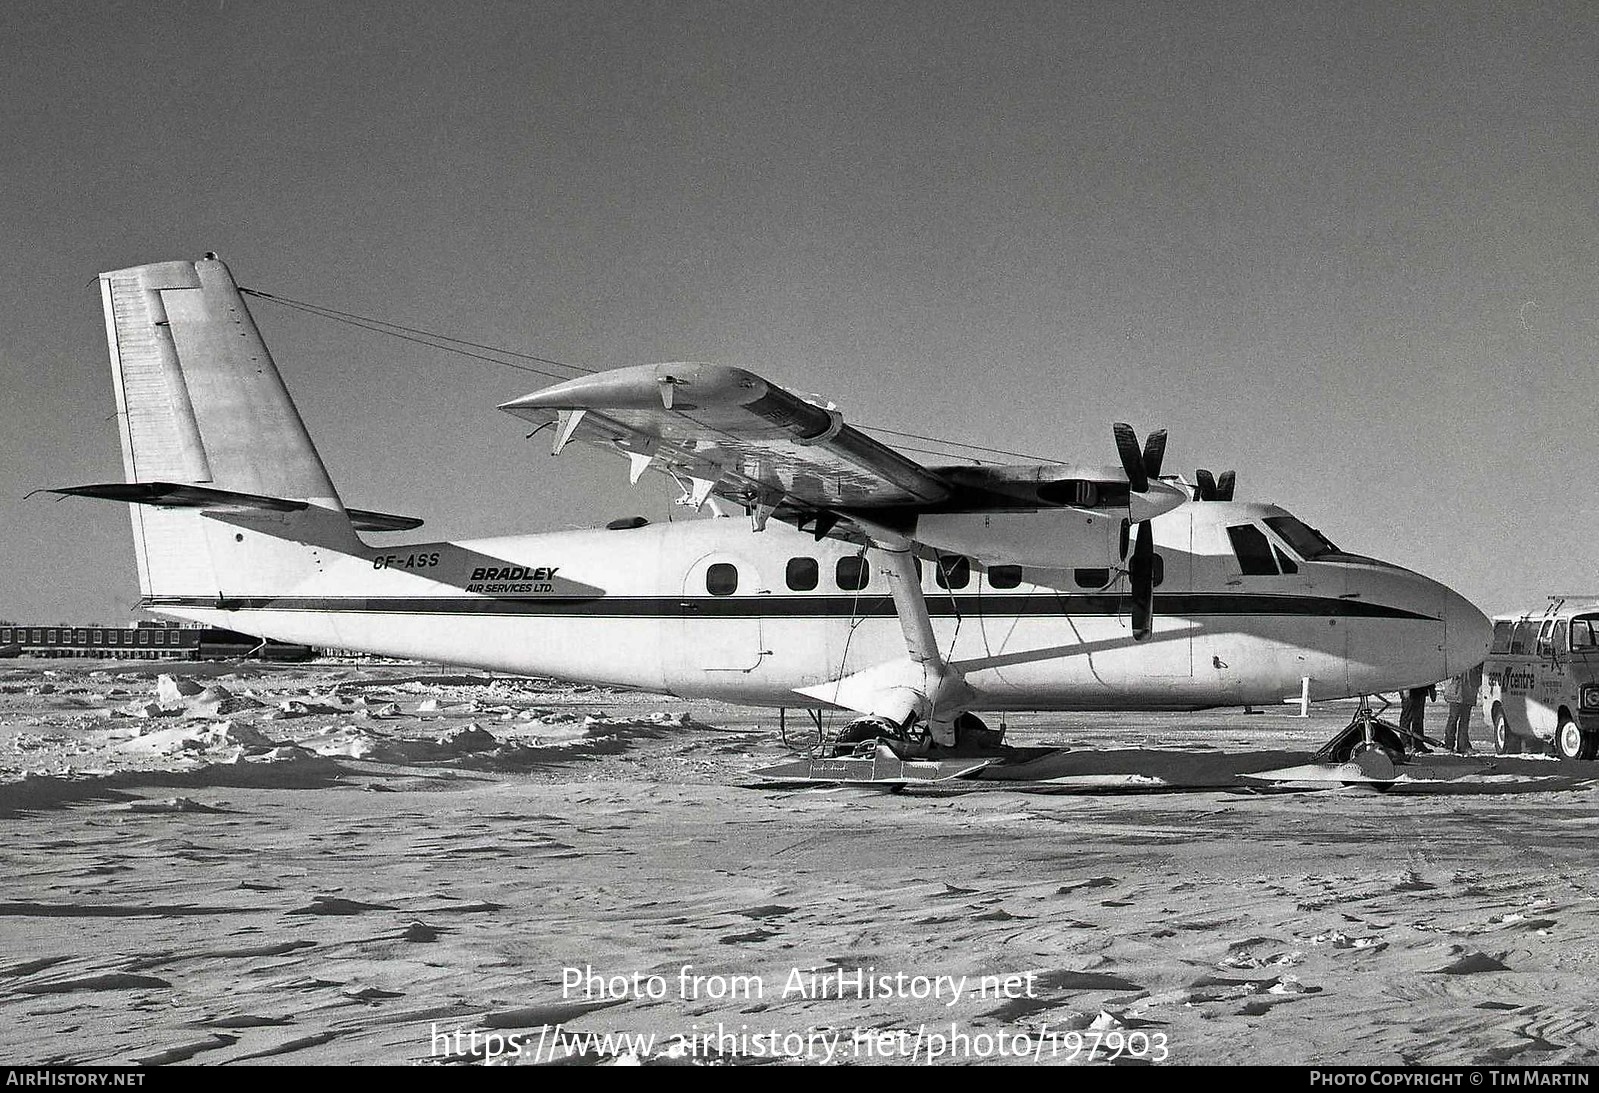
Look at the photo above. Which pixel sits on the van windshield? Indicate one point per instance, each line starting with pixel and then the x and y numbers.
pixel 1585 634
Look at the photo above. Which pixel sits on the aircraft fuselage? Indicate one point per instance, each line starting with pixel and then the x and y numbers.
pixel 708 608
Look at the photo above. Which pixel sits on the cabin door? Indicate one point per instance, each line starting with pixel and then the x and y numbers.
pixel 722 603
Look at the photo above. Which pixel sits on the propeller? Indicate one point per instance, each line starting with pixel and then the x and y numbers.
pixel 1215 488
pixel 1141 576
pixel 1141 464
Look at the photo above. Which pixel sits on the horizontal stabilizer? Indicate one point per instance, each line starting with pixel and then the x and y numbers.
pixel 178 495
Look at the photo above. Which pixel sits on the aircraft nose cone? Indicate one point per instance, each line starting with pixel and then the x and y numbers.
pixel 1467 632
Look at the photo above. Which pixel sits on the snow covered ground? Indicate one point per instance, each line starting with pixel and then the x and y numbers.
pixel 403 864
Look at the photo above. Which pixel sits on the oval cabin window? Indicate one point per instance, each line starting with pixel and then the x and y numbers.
pixel 953 571
pixel 1004 576
pixel 721 579
pixel 852 573
pixel 802 574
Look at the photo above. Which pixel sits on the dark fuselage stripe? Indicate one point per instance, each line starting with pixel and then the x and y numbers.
pixel 1037 605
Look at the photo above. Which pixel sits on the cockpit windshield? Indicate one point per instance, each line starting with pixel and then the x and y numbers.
pixel 1585 634
pixel 1307 542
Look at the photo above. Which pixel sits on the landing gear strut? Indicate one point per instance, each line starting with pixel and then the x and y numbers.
pixel 1367 734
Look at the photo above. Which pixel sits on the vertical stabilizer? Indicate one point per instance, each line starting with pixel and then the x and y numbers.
pixel 200 402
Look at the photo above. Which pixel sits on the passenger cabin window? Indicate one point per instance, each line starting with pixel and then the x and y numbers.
pixel 1252 550
pixel 1004 576
pixel 1501 639
pixel 721 579
pixel 852 573
pixel 1091 578
pixel 953 571
pixel 802 574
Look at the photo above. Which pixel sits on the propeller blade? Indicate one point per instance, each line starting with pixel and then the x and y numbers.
pixel 1132 458
pixel 1206 484
pixel 1126 539
pixel 1154 452
pixel 1225 484
pixel 1141 576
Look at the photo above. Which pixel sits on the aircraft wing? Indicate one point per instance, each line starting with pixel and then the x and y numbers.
pixel 726 431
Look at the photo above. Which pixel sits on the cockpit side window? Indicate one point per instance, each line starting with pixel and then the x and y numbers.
pixel 1283 561
pixel 1306 541
pixel 1252 550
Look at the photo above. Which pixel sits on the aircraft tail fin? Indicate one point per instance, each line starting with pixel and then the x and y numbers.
pixel 200 404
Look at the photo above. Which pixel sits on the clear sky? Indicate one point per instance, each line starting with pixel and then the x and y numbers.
pixel 1347 249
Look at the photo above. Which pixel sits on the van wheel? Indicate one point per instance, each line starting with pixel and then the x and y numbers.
pixel 1505 741
pixel 1572 743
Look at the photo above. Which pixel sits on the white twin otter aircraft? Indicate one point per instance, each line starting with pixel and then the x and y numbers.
pixel 913 596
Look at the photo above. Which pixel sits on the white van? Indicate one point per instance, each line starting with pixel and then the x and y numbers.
pixel 1540 685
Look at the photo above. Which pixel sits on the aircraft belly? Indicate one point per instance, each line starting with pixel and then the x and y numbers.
pixel 1085 655
pixel 1262 659
pixel 559 646
pixel 719 644
pixel 1382 650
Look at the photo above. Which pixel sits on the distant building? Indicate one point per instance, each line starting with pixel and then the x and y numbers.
pixel 143 641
